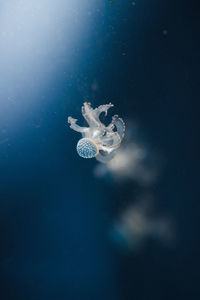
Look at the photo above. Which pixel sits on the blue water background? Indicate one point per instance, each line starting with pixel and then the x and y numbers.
pixel 54 214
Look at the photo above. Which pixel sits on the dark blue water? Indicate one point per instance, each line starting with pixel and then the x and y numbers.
pixel 55 214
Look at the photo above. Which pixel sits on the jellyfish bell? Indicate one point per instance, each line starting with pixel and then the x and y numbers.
pixel 86 148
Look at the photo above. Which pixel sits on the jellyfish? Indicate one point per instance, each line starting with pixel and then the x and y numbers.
pixel 98 140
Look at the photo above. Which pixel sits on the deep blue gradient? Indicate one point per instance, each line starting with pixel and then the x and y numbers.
pixel 54 214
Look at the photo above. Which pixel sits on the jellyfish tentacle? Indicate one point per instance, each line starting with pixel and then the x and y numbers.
pixel 88 112
pixel 102 108
pixel 107 147
pixel 97 129
pixel 119 124
pixel 114 138
pixel 110 127
pixel 76 127
pixel 111 140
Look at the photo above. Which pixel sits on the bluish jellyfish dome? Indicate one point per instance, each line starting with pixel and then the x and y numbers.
pixel 86 148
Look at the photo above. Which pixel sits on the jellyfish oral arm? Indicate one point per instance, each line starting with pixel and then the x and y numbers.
pixel 102 108
pixel 119 124
pixel 76 127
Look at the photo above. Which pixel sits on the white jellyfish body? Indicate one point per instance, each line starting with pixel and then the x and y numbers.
pixel 98 140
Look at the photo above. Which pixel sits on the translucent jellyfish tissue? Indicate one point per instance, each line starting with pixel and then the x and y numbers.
pixel 98 140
